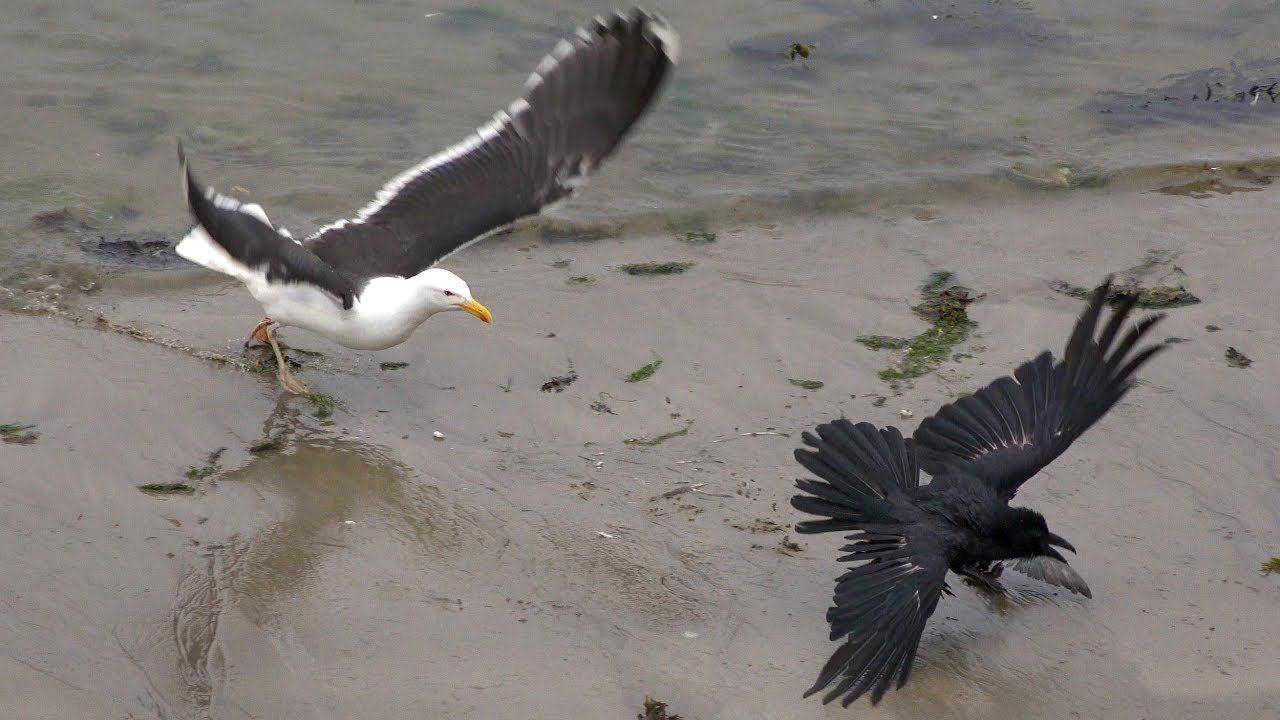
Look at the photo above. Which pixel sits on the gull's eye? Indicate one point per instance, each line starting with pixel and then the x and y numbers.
pixel 448 293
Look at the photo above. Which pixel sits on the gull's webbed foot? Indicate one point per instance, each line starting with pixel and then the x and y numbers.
pixel 259 334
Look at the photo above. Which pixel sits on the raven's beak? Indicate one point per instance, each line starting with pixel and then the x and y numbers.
pixel 1050 552
pixel 1061 542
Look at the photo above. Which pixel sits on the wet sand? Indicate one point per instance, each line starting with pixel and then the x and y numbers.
pixel 475 582
pixel 522 567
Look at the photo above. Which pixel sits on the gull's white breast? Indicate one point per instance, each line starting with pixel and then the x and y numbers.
pixel 383 315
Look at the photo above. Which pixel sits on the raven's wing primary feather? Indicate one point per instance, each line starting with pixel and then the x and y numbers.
pixel 865 469
pixel 577 106
pixel 1054 572
pixel 1006 432
pixel 881 605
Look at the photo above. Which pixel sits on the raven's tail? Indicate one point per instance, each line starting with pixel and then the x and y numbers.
pixel 863 468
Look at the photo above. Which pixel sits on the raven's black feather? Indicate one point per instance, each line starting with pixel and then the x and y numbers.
pixel 1006 432
pixel 904 536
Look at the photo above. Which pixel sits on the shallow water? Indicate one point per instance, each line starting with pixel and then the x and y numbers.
pixel 364 569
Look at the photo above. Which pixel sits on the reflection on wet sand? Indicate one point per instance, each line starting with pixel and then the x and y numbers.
pixel 262 572
pixel 474 580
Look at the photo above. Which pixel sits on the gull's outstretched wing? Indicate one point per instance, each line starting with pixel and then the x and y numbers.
pixel 880 605
pixel 577 106
pixel 1006 432
pixel 236 239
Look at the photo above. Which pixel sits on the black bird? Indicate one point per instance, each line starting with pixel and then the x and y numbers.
pixel 978 451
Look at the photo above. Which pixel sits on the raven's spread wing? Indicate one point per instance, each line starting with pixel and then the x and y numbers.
pixel 881 607
pixel 881 604
pixel 1006 432
pixel 577 106
pixel 236 239
pixel 866 471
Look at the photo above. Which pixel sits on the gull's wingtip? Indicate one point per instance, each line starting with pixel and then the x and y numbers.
pixel 188 182
pixel 668 40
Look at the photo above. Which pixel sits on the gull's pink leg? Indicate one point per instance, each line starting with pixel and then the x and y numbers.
pixel 288 380
pixel 259 333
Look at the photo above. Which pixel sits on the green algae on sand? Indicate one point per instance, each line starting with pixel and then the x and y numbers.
pixel 321 404
pixel 271 444
pixel 943 304
pixel 659 439
pixel 173 488
pixel 645 371
pixel 883 342
pixel 655 268
pixel 18 434
pixel 200 473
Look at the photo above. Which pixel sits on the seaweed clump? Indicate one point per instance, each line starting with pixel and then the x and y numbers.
pixel 1156 282
pixel 807 384
pixel 656 710
pixel 1237 359
pixel 943 303
pixel 659 439
pixel 655 268
pixel 645 371
pixel 172 488
pixel 883 342
pixel 271 444
pixel 560 382
pixel 200 473
pixel 321 404
pixel 212 465
pixel 1271 566
pixel 799 50
pixel 16 434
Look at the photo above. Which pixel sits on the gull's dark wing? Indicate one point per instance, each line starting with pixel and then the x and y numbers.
pixel 236 239
pixel 880 605
pixel 1006 432
pixel 577 106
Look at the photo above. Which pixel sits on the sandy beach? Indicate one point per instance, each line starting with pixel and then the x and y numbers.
pixel 528 565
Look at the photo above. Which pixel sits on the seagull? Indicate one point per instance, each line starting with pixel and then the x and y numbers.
pixel 978 451
pixel 369 281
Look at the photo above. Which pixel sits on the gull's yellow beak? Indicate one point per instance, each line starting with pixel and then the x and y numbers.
pixel 478 310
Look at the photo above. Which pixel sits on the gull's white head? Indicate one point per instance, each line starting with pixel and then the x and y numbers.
pixel 442 290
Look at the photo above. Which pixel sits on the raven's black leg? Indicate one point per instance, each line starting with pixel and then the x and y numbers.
pixel 985 578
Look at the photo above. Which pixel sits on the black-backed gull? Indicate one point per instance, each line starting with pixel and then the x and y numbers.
pixel 368 282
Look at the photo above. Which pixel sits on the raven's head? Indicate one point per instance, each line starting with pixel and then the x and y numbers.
pixel 1024 533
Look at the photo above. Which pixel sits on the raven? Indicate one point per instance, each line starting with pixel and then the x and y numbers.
pixel 978 451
